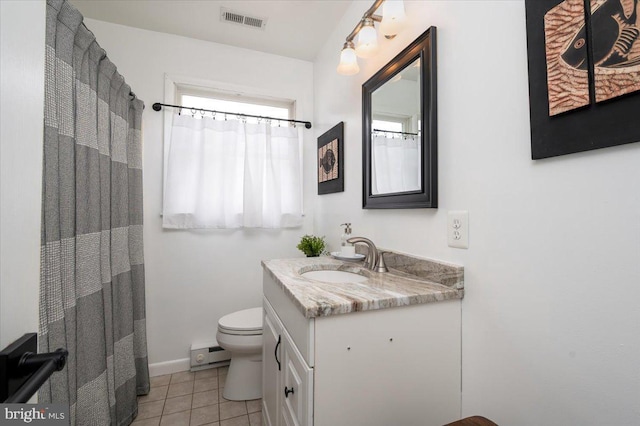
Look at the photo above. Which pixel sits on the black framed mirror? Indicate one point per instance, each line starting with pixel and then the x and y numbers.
pixel 399 130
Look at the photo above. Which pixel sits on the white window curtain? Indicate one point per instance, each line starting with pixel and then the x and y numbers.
pixel 232 174
pixel 396 164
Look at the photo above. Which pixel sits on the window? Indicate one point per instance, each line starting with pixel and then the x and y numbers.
pixel 234 103
pixel 393 123
pixel 229 171
pixel 391 126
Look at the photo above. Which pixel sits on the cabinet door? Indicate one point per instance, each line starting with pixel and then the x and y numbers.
pixel 296 387
pixel 398 366
pixel 271 366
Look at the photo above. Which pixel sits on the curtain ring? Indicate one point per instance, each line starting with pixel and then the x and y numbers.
pixel 213 115
pixel 193 112
pixel 225 117
pixel 294 125
pixel 279 123
pixel 202 113
pixel 180 111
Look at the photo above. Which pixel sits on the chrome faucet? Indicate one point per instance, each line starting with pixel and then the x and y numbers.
pixel 374 260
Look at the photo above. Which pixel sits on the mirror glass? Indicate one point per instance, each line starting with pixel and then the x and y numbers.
pixel 395 133
pixel 399 130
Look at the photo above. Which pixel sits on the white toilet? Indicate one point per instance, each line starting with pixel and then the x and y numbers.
pixel 240 333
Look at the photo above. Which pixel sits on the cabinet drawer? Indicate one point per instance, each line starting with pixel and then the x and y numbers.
pixel 297 386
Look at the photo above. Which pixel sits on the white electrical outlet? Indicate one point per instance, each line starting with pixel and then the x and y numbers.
pixel 458 229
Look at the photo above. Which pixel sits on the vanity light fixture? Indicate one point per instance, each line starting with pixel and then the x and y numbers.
pixel 393 18
pixel 367 44
pixel 348 61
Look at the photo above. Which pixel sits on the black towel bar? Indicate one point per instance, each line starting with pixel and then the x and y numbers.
pixel 23 372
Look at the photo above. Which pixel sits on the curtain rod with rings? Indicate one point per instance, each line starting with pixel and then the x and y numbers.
pixel 158 106
pixel 398 133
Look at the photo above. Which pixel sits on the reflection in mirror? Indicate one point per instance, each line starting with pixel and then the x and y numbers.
pixel 395 133
pixel 399 130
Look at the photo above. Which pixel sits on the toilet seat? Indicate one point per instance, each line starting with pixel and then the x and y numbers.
pixel 242 323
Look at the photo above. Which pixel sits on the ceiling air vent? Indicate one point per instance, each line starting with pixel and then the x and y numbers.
pixel 227 15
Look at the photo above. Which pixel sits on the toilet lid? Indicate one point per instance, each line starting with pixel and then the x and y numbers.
pixel 245 320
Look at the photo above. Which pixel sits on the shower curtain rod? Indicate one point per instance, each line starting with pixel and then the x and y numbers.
pixel 398 133
pixel 158 106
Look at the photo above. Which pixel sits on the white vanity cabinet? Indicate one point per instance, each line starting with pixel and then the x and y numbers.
pixel 286 377
pixel 394 366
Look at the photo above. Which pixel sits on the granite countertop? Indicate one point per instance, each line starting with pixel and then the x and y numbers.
pixel 410 281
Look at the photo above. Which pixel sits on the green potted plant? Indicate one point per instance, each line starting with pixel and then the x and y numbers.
pixel 311 245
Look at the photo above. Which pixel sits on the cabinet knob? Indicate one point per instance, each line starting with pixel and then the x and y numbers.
pixel 287 391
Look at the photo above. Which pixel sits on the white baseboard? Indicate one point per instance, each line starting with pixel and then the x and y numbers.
pixel 169 367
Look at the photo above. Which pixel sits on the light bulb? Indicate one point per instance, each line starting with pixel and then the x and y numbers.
pixel 348 62
pixel 367 45
pixel 393 17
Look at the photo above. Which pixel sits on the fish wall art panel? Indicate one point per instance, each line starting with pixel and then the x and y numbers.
pixel 566 57
pixel 331 160
pixel 615 29
pixel 584 74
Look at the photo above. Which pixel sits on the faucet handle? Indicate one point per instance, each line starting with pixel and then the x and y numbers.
pixel 381 266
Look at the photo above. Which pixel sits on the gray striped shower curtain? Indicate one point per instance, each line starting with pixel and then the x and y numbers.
pixel 92 298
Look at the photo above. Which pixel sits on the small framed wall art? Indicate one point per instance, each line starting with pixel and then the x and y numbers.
pixel 331 160
pixel 584 74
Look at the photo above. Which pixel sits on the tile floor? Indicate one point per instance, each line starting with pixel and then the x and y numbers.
pixel 194 399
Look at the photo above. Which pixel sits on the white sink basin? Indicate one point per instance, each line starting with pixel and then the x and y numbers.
pixel 334 276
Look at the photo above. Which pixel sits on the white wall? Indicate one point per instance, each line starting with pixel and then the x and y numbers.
pixel 194 278
pixel 21 118
pixel 551 324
